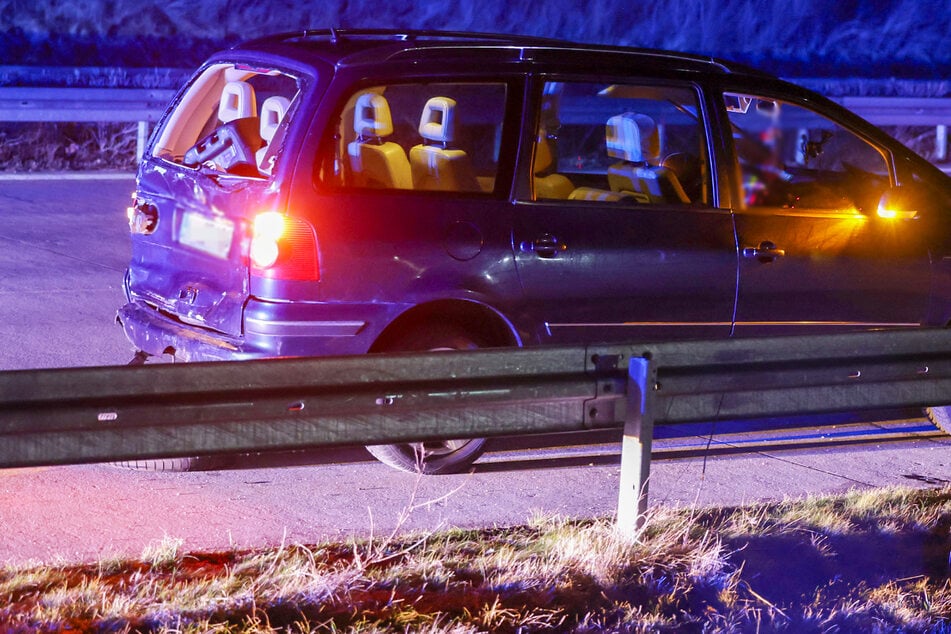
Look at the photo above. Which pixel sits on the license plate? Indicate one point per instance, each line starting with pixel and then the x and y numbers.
pixel 208 235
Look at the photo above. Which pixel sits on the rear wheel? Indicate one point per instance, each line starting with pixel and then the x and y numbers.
pixel 188 463
pixel 165 464
pixel 439 456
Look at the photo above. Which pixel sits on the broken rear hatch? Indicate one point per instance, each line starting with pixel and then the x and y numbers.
pixel 208 174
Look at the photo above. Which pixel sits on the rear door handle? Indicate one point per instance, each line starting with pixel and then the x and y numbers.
pixel 544 246
pixel 765 252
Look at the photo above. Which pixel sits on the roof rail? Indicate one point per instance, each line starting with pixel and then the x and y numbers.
pixel 696 58
pixel 335 36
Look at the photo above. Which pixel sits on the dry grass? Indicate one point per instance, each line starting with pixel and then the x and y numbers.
pixel 27 147
pixel 865 562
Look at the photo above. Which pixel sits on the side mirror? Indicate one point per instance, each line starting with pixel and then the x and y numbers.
pixel 898 203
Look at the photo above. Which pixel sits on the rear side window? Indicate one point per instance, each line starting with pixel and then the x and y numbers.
pixel 422 137
pixel 230 119
pixel 627 143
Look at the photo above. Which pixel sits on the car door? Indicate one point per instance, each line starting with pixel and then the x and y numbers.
pixel 617 239
pixel 418 175
pixel 815 253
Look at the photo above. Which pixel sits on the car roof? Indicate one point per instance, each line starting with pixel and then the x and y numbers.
pixel 350 47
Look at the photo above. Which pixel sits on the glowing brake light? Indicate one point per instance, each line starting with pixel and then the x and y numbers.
pixel 283 247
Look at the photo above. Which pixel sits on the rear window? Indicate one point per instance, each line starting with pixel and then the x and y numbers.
pixel 230 119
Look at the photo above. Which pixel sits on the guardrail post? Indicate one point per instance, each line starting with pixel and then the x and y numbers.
pixel 941 143
pixel 142 136
pixel 636 448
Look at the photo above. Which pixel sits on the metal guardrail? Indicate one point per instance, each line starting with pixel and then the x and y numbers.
pixel 81 415
pixel 147 105
pixel 83 104
pixel 892 111
pixel 906 111
pixel 87 105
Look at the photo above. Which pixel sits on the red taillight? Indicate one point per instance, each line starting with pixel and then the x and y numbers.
pixel 283 248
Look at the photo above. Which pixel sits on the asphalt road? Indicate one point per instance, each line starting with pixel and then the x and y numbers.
pixel 63 247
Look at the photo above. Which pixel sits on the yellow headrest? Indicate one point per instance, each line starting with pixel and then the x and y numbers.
pixel 371 116
pixel 237 102
pixel 632 137
pixel 438 120
pixel 272 113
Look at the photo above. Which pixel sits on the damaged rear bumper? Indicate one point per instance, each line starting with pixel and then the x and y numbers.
pixel 157 334
pixel 270 330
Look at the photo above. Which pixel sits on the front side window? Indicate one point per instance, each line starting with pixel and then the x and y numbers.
pixel 230 120
pixel 423 137
pixel 792 157
pixel 625 143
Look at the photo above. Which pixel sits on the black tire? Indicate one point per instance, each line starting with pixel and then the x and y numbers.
pixel 941 417
pixel 173 465
pixel 430 458
pixel 435 457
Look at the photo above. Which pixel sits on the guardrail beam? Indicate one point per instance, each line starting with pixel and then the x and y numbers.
pixel 123 413
pixel 91 105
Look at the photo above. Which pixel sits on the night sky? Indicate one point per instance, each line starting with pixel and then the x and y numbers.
pixel 883 38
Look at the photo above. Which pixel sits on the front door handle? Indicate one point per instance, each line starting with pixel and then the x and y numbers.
pixel 544 246
pixel 765 252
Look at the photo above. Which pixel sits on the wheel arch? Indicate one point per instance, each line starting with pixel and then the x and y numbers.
pixel 474 317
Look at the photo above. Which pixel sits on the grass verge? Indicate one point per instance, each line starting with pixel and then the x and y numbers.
pixel 54 147
pixel 870 561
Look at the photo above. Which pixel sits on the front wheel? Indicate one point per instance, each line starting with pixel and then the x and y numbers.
pixel 437 456
pixel 430 458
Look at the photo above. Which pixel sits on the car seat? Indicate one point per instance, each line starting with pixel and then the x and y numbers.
pixel 237 102
pixel 375 162
pixel 234 144
pixel 634 139
pixel 272 113
pixel 688 170
pixel 547 184
pixel 435 165
pixel 600 195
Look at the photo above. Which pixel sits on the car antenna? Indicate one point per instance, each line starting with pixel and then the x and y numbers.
pixel 333 36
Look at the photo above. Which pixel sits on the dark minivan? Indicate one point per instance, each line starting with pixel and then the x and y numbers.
pixel 344 192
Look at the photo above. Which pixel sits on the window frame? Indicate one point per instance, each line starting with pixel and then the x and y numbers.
pixel 324 177
pixel 734 167
pixel 175 123
pixel 525 186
